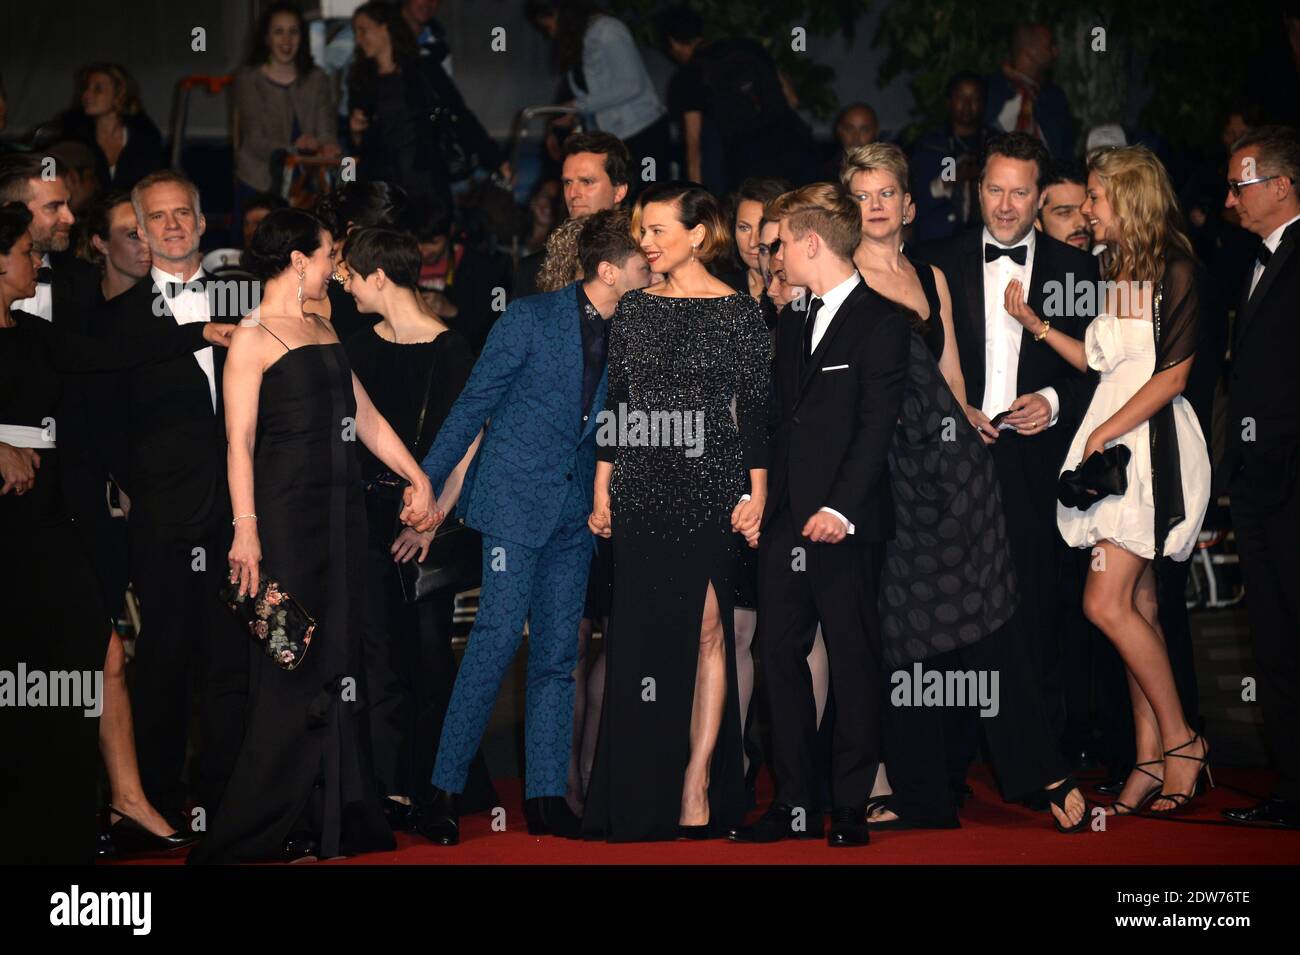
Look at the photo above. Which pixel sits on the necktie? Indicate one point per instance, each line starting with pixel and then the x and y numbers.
pixel 44 275
pixel 809 324
pixel 1017 254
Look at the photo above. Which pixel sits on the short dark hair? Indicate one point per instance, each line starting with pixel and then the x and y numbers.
pixel 278 236
pixel 1059 171
pixel 270 201
pixel 97 221
pixel 376 247
pixel 606 236
pixel 617 158
pixel 15 220
pixel 430 218
pixel 1018 146
pixel 965 76
pixel 695 206
pixel 681 24
pixel 17 170
pixel 758 189
pixel 360 204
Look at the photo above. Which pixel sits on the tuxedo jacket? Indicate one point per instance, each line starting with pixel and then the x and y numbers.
pixel 175 461
pixel 962 260
pixel 836 414
pixel 1264 384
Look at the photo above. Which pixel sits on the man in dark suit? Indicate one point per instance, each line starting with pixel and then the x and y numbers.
pixel 1262 461
pixel 175 473
pixel 839 374
pixel 1007 370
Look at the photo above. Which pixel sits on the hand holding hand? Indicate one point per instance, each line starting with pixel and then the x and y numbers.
pixel 418 508
pixel 599 522
pixel 1018 308
pixel 746 518
pixel 18 467
pixel 1030 414
pixel 824 528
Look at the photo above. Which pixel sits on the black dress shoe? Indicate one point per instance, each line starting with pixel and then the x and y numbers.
pixel 438 820
pixel 127 836
pixel 781 822
pixel 300 847
pixel 848 828
pixel 1279 813
pixel 401 816
pixel 551 816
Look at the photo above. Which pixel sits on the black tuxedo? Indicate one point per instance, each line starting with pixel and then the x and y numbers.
pixel 836 414
pixel 1028 466
pixel 1262 468
pixel 175 475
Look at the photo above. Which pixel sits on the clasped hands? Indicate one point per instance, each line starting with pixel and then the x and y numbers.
pixel 420 511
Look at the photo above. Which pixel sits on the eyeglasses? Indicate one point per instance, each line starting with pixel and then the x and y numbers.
pixel 1236 186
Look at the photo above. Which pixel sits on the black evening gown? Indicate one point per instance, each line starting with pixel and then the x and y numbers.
pixel 671 538
pixel 305 764
pixel 56 619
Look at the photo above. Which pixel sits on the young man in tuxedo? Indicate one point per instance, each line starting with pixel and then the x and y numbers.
pixel 175 474
pixel 1262 464
pixel 1007 370
pixel 839 374
pixel 541 382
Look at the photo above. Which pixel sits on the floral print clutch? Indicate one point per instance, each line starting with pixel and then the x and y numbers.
pixel 274 619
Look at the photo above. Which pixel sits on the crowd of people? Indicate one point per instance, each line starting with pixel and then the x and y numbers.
pixel 855 417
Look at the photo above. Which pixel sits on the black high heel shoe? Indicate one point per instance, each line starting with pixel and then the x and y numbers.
pixel 1147 797
pixel 129 836
pixel 1057 798
pixel 1181 800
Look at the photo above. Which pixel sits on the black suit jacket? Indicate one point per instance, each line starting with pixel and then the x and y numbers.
pixel 835 424
pixel 176 444
pixel 1264 384
pixel 962 260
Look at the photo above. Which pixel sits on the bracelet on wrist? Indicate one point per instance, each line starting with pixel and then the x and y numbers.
pixel 243 517
pixel 1047 327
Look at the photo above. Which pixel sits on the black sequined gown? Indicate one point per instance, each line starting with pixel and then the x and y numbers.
pixel 671 506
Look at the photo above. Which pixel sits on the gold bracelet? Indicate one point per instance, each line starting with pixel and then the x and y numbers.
pixel 1047 327
pixel 242 517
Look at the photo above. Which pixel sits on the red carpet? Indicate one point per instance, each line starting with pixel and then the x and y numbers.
pixel 992 833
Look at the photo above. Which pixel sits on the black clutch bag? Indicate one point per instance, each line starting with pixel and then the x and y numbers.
pixel 452 563
pixel 274 619
pixel 1103 474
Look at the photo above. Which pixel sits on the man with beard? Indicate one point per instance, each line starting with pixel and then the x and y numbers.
pixel 1058 210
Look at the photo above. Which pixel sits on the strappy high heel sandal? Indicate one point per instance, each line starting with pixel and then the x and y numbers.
pixel 1181 800
pixel 1057 798
pixel 1119 808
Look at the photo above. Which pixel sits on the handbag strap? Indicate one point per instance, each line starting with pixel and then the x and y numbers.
pixel 424 406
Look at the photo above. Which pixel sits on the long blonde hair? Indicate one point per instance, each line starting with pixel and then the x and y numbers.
pixel 1148 220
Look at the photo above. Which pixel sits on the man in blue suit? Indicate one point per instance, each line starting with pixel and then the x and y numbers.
pixel 538 388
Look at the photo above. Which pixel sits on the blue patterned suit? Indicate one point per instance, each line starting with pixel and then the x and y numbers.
pixel 528 492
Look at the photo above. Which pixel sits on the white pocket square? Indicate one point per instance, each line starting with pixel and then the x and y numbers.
pixel 834 367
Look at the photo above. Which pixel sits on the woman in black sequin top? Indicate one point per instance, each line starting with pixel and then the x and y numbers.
pixel 677 477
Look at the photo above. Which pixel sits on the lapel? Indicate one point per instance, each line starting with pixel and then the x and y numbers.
pixel 571 358
pixel 837 322
pixel 1030 349
pixel 1286 249
pixel 973 289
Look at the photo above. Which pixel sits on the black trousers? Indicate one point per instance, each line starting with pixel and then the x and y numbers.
pixel 801 584
pixel 1267 536
pixel 1027 480
pixel 187 635
pixel 410 670
pixel 1026 756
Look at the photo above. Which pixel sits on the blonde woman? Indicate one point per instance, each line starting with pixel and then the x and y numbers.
pixel 1143 343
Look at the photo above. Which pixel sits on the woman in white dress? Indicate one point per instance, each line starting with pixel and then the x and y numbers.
pixel 1143 343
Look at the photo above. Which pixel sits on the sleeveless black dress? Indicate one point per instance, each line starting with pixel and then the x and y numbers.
pixel 305 763
pixel 947 580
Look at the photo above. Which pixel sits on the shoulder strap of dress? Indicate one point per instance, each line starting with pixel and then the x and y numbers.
pixel 275 336
pixel 925 274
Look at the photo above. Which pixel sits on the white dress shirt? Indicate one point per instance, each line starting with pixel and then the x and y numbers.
pixel 191 305
pixel 42 303
pixel 1271 243
pixel 1002 333
pixel 831 303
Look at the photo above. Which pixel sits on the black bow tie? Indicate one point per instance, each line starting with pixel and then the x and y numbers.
pixel 44 275
pixel 175 288
pixel 1263 254
pixel 1018 253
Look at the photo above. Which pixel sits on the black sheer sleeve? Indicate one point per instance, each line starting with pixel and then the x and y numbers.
pixel 753 350
pixel 616 391
pixel 1177 314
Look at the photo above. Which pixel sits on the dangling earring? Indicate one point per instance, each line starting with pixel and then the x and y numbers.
pixel 692 253
pixel 300 278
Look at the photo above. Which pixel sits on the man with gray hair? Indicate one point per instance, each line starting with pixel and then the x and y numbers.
pixel 1261 468
pixel 175 473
